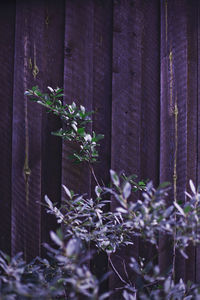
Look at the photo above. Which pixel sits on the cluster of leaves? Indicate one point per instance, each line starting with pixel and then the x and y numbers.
pixel 64 276
pixel 88 220
pixel 85 220
pixel 152 284
pixel 145 218
pixel 152 215
pixel 188 220
pixel 74 121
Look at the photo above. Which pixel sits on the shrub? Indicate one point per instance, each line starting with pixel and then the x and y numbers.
pixel 66 275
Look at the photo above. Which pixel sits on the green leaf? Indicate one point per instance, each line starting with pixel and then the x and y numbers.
pixel 114 178
pixel 67 191
pixel 56 239
pixel 58 90
pixel 193 189
pixel 164 185
pixel 98 190
pixel 34 88
pixel 99 137
pixel 77 156
pixel 127 190
pixel 59 233
pixel 81 131
pixel 187 209
pixel 179 208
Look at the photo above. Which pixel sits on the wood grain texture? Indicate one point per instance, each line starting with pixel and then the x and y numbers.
pixel 128 20
pixel 166 127
pixel 102 84
pixel 178 87
pixel 198 130
pixel 87 80
pixel 102 96
pixel 27 118
pixel 7 37
pixel 192 271
pixel 150 103
pixel 109 56
pixel 52 61
pixel 78 80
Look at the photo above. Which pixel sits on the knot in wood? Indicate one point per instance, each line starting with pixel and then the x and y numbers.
pixel 27 171
pixel 68 51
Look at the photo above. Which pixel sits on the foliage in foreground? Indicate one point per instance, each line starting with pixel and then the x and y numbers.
pixel 85 220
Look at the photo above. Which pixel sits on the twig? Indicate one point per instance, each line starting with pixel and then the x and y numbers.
pixel 93 173
pixel 151 283
pixel 111 263
pixel 125 270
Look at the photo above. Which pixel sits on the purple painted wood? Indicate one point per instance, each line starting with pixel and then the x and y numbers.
pixel 78 36
pixel 102 84
pixel 150 102
pixel 150 92
pixel 126 92
pixel 166 127
pixel 102 95
pixel 192 271
pixel 87 80
pixel 178 88
pixel 7 37
pixel 198 131
pixel 27 119
pixel 78 80
pixel 128 24
pixel 53 44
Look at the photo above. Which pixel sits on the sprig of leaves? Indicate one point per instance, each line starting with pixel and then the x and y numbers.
pixel 74 119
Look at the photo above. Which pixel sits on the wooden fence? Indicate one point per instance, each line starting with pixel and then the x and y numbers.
pixel 136 63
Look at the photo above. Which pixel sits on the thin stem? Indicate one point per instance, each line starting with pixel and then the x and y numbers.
pixel 93 173
pixel 125 270
pixel 111 263
pixel 151 284
pixel 174 257
pixel 175 181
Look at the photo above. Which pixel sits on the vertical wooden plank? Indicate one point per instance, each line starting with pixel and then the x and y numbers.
pixel 126 103
pixel 102 83
pixel 7 37
pixel 178 107
pixel 198 129
pixel 126 84
pixel 78 80
pixel 102 89
pixel 150 103
pixel 53 48
pixel 27 118
pixel 136 88
pixel 166 128
pixel 150 89
pixel 192 117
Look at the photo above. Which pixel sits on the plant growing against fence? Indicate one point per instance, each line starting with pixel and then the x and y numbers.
pixel 85 220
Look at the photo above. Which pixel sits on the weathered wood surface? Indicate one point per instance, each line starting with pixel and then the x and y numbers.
pixel 26 138
pixel 53 68
pixel 135 98
pixel 134 62
pixel 7 38
pixel 178 160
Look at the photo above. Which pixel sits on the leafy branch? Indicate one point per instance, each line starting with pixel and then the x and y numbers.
pixel 74 120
